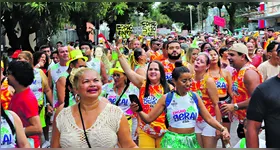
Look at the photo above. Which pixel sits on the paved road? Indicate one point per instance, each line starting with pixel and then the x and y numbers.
pixel 234 139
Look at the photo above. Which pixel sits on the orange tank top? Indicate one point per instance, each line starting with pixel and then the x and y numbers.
pixel 200 88
pixel 157 128
pixel 239 89
pixel 6 95
pixel 169 67
pixel 221 83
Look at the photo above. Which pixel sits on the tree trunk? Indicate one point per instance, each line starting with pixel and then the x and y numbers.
pixel 231 23
pixel 112 27
pixel 231 11
pixel 81 30
pixel 9 25
pixel 24 38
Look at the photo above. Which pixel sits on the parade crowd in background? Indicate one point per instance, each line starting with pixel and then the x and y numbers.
pixel 165 91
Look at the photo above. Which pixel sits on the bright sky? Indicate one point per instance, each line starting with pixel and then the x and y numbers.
pixel 156 4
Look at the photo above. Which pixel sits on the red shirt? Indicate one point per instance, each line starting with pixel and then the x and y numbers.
pixel 256 60
pixel 25 105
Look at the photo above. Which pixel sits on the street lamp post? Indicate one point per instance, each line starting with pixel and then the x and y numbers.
pixel 190 15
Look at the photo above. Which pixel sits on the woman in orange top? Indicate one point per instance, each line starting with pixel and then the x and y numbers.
pixel 6 90
pixel 152 87
pixel 223 82
pixel 206 88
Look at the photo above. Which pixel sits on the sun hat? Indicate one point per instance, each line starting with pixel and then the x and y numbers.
pixel 241 48
pixel 116 68
pixel 74 55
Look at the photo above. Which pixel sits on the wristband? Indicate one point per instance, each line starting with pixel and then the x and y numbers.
pixel 121 55
pixel 223 129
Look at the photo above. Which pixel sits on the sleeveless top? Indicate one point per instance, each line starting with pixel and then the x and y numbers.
pixel 136 67
pixel 169 67
pixel 6 95
pixel 8 140
pixel 37 86
pixel 221 83
pixel 239 89
pixel 95 64
pixel 56 72
pixel 182 111
pixel 102 134
pixel 156 128
pixel 200 88
pixel 124 103
pixel 71 96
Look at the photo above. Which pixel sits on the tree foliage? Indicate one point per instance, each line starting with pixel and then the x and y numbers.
pixel 32 17
pixel 114 17
pixel 233 8
pixel 180 12
pixel 161 19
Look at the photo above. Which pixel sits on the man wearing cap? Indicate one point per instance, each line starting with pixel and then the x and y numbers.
pixel 264 106
pixel 76 60
pixel 269 36
pixel 92 62
pixel 245 80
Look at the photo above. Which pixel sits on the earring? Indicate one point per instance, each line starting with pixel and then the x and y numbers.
pixel 77 97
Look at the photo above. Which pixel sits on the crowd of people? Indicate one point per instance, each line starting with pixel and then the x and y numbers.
pixel 166 91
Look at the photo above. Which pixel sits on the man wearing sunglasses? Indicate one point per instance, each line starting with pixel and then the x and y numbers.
pixel 154 51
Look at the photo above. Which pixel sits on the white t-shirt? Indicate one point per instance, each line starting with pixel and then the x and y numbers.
pixel 267 70
pixel 51 64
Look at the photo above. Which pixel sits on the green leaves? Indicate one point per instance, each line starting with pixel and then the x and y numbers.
pixel 120 8
pixel 36 7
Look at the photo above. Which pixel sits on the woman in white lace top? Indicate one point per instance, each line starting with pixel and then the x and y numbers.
pixel 93 122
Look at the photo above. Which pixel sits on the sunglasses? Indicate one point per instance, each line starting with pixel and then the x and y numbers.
pixel 116 75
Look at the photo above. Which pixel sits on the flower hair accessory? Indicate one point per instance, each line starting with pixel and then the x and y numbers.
pixel 73 73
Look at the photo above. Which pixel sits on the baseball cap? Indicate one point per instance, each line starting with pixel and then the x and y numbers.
pixel 270 29
pixel 15 54
pixel 241 48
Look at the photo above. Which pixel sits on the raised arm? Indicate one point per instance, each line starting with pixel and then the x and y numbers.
pixel 135 78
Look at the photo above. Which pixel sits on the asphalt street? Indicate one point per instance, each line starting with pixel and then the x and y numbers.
pixel 234 139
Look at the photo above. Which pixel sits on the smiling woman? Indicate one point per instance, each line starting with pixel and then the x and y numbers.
pixel 93 121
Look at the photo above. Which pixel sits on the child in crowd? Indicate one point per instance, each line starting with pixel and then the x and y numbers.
pixel 242 142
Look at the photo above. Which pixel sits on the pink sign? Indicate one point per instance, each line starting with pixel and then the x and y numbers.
pixel 219 21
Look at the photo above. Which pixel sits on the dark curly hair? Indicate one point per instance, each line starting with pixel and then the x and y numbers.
pixel 22 72
pixel 37 56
